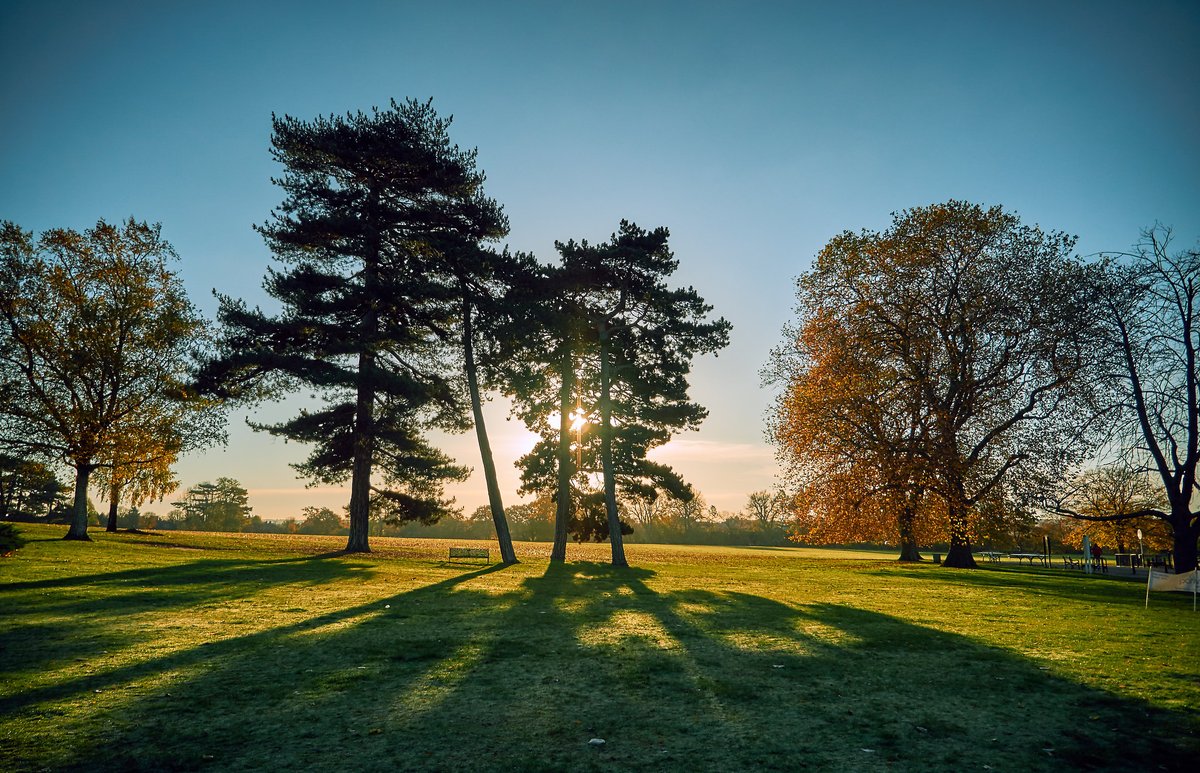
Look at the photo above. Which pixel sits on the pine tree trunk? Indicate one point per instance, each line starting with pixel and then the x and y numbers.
pixel 364 448
pixel 113 501
pixel 507 554
pixel 79 515
pixel 6 495
pixel 615 537
pixel 566 468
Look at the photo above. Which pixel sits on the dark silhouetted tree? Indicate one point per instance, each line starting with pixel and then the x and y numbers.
pixel 380 216
pixel 1151 321
pixel 484 281
pixel 626 340
pixel 541 347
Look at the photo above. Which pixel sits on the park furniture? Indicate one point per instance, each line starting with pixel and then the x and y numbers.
pixel 483 553
pixel 1099 564
pixel 1131 560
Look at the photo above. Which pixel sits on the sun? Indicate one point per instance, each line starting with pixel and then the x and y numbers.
pixel 579 420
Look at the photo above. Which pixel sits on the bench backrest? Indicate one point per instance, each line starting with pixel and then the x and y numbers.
pixel 469 553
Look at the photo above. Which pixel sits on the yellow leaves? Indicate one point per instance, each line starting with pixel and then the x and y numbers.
pixel 1113 490
pixel 99 330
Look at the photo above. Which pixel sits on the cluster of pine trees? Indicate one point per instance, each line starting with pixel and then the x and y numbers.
pixel 399 308
pixel 402 312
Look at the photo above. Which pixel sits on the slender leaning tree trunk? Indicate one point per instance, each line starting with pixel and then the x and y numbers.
pixel 507 554
pixel 79 517
pixel 566 468
pixel 610 484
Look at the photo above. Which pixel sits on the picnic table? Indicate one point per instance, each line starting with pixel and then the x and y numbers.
pixel 1132 560
pixel 1161 560
pixel 990 555
pixel 1030 556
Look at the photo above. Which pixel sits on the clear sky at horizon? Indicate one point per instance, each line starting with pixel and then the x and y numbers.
pixel 755 131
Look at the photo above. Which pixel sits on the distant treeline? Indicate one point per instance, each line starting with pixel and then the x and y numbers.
pixel 31 493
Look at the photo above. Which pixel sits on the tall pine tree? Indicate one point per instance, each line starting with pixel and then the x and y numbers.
pixel 372 202
pixel 541 348
pixel 629 340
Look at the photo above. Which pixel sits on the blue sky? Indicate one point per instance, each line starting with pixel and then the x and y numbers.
pixel 754 131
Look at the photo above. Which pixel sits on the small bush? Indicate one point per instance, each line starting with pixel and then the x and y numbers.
pixel 10 540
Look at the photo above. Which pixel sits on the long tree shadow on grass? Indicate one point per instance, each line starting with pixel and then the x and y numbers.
pixel 453 676
pixel 718 680
pixel 83 628
pixel 254 701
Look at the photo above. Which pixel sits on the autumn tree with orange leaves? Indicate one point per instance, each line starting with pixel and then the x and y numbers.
pixel 935 366
pixel 849 434
pixel 1098 498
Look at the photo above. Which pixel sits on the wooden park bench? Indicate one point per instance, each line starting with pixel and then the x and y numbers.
pixel 483 553
pixel 1099 564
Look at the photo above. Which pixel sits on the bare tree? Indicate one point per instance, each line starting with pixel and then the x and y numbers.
pixel 1152 305
pixel 766 507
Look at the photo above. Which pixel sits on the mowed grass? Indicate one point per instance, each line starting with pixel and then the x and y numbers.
pixel 181 651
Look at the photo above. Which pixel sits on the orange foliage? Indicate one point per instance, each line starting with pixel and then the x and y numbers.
pixel 1114 490
pixel 844 432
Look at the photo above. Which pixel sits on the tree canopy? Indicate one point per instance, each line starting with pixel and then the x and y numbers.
pixel 623 341
pixel 1106 502
pixel 97 338
pixel 28 488
pixel 971 335
pixel 220 506
pixel 1150 321
pixel 484 279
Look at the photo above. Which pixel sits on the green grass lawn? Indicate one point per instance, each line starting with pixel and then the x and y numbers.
pixel 181 651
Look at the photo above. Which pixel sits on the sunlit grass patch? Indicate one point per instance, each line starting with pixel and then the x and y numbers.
pixel 244 653
pixel 623 627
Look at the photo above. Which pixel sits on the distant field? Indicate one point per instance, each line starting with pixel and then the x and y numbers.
pixel 186 651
